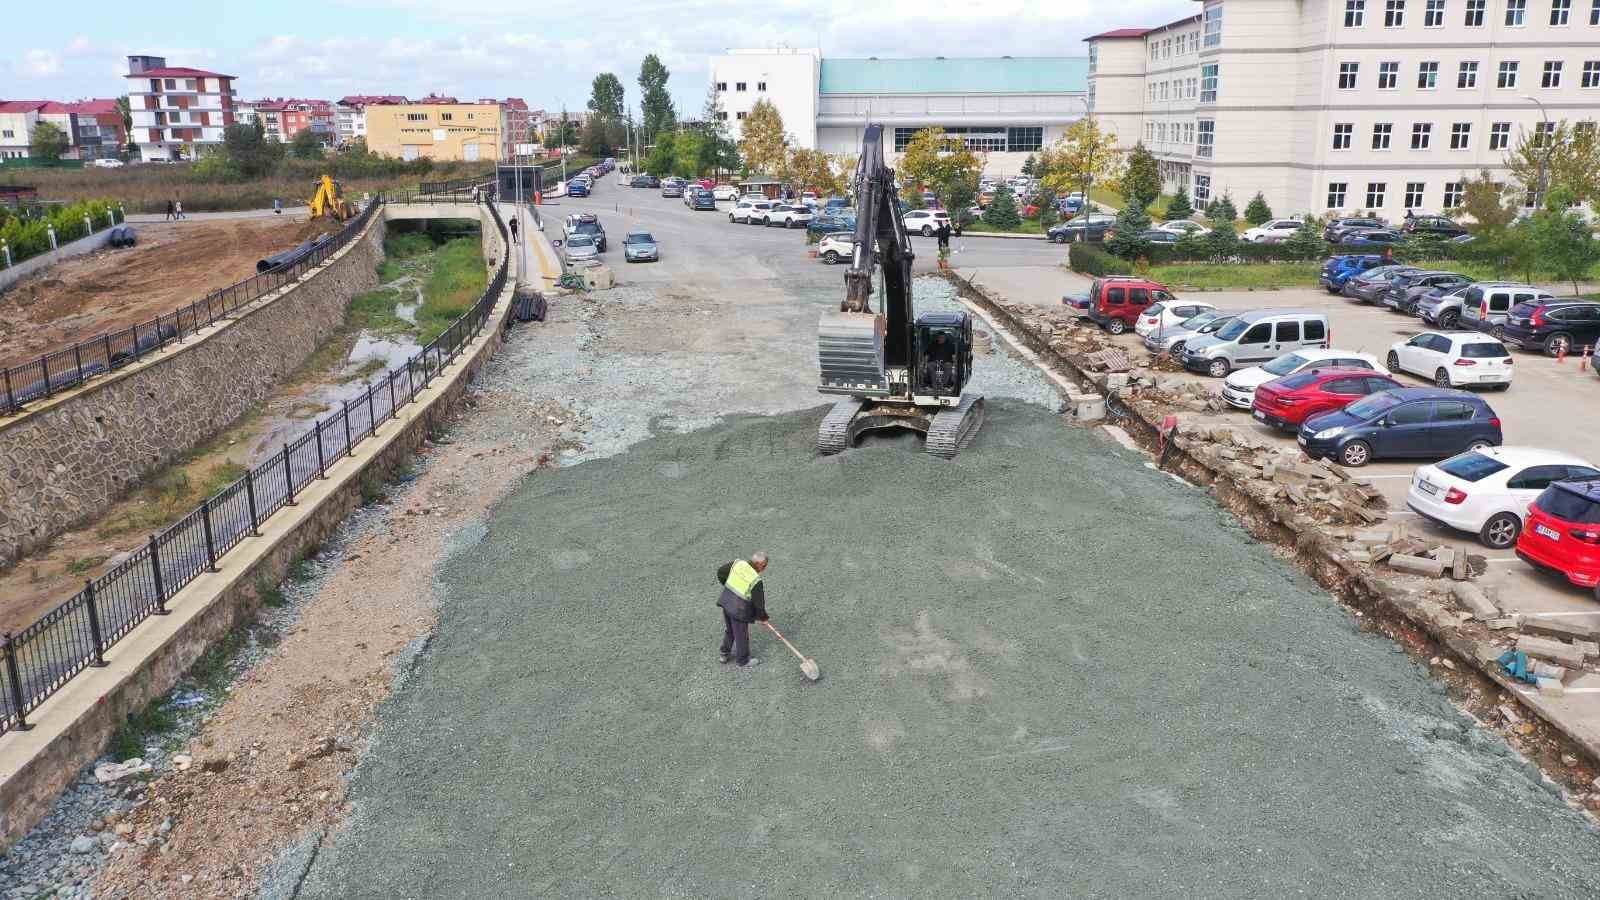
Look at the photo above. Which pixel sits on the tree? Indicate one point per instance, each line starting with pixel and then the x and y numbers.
pixel 1002 210
pixel 1179 206
pixel 1565 244
pixel 1222 210
pixel 47 141
pixel 939 162
pixel 1223 242
pixel 1257 212
pixel 1306 243
pixel 606 97
pixel 1483 199
pixel 248 153
pixel 1567 158
pixel 1126 240
pixel 1141 180
pixel 599 137
pixel 654 101
pixel 815 171
pixel 125 110
pixel 687 153
pixel 958 196
pixel 1083 157
pixel 662 157
pixel 765 145
pixel 1028 165
pixel 305 145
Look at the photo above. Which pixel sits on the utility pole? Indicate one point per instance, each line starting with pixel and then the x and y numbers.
pixel 1547 143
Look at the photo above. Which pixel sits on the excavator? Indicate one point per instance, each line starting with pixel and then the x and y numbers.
pixel 329 201
pixel 897 370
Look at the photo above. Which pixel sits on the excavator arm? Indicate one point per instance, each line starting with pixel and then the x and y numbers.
pixel 881 240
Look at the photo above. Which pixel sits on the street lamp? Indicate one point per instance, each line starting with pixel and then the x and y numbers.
pixel 1547 140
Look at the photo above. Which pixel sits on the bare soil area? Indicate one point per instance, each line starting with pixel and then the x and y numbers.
pixel 174 264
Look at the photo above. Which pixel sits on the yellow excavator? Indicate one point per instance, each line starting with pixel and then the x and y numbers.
pixel 329 201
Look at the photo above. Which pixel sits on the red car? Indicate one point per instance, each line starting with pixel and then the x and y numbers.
pixel 1287 402
pixel 1562 532
pixel 1116 301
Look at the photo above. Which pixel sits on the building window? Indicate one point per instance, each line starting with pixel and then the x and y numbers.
pixel 1152 91
pixel 1341 135
pixel 1421 134
pixel 1414 192
pixel 1213 26
pixel 1154 50
pixel 1433 15
pixel 1559 11
pixel 1454 193
pixel 1355 12
pixel 1394 13
pixel 1336 194
pixel 1381 132
pixel 761 85
pixel 1163 94
pixel 416 117
pixel 1427 76
pixel 1375 192
pixel 1499 135
pixel 1475 10
pixel 1516 13
pixel 1591 73
pixel 1543 132
pixel 722 116
pixel 1552 74
pixel 1594 13
pixel 1202 188
pixel 1508 75
pixel 1532 200
pixel 1208 83
pixel 1461 136
pixel 1347 75
pixel 1206 138
pixel 8 133
pixel 1468 76
pixel 446 117
pixel 738 85
pixel 1025 139
pixel 1388 75
pixel 723 85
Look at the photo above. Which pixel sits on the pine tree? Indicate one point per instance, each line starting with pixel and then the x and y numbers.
pixel 1258 212
pixel 1222 209
pixel 1180 207
pixel 1028 165
pixel 1002 210
pixel 1126 242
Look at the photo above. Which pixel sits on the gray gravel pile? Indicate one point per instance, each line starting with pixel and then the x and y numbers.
pixel 1038 680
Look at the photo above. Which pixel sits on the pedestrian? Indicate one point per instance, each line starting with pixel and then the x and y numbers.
pixel 743 600
pixel 169 210
pixel 277 206
pixel 177 208
pixel 513 229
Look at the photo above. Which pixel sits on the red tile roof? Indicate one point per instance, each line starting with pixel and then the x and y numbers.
pixel 94 107
pixel 1120 33
pixel 372 100
pixel 22 106
pixel 178 72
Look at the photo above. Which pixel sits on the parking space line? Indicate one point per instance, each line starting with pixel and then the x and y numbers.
pixel 1376 477
pixel 1564 613
pixel 1401 512
pixel 1590 690
pixel 1504 559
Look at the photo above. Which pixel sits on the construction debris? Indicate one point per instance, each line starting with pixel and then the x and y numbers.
pixel 1476 601
pixel 1560 651
pixel 1110 360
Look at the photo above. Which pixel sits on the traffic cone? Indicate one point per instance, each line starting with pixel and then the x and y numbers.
pixel 1561 356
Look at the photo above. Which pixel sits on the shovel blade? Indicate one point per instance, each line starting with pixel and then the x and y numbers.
pixel 809 667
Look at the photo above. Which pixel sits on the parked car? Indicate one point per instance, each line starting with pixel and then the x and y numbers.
pixel 640 246
pixel 1366 285
pixel 1372 237
pixel 1338 270
pixel 1254 338
pixel 825 223
pixel 1441 307
pixel 1285 403
pixel 1239 388
pixel 747 211
pixel 1157 236
pixel 589 224
pixel 645 181
pixel 1486 492
pixel 107 163
pixel 1562 533
pixel 725 192
pixel 789 215
pixel 1087 227
pixel 1274 232
pixel 1167 315
pixel 837 248
pixel 1405 291
pixel 672 187
pixel 1437 226
pixel 580 250
pixel 1183 226
pixel 1407 423
pixel 578 187
pixel 926 221
pixel 1554 326
pixel 1486 305
pixel 1119 300
pixel 1454 359
pixel 700 199
pixel 1337 227
pixel 1172 340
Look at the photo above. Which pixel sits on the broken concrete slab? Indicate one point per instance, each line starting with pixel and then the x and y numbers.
pixel 1551 687
pixel 1589 648
pixel 1371 537
pixel 1505 623
pixel 1474 600
pixel 1565 628
pixel 1546 648
pixel 1417 565
pixel 1459 569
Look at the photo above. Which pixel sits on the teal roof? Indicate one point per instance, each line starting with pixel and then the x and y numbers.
pixel 956 75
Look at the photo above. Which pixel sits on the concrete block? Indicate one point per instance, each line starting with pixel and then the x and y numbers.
pixel 1546 670
pixel 1509 714
pixel 599 278
pixel 1560 651
pixel 1445 556
pixel 1381 553
pixel 1589 648
pixel 1551 687
pixel 1505 623
pixel 1115 380
pixel 1417 565
pixel 1361 556
pixel 1090 409
pixel 1474 600
pixel 1458 569
pixel 1291 473
pixel 1372 537
pixel 1565 628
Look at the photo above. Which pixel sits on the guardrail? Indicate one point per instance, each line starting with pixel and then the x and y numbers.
pixel 38 660
pixel 66 369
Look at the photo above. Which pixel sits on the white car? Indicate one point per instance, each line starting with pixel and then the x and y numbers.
pixel 1272 232
pixel 1183 226
pixel 1239 388
pixel 1487 491
pixel 789 215
pixel 925 221
pixel 836 248
pixel 749 211
pixel 725 192
pixel 107 164
pixel 1166 315
pixel 1454 359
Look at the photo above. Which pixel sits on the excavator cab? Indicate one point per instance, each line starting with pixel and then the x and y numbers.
pixel 943 357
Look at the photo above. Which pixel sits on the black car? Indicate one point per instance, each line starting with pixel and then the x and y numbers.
pixel 700 198
pixel 644 181
pixel 1369 237
pixel 1404 291
pixel 1088 227
pixel 1554 326
pixel 831 223
pixel 1408 423
pixel 1435 226
pixel 1337 228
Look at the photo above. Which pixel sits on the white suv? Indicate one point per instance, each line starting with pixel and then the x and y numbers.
pixel 789 216
pixel 926 221
pixel 725 192
pixel 749 211
pixel 837 248
pixel 1276 231
pixel 1454 359
pixel 1487 492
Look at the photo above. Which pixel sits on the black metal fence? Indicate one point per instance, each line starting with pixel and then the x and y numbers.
pixel 67 368
pixel 75 635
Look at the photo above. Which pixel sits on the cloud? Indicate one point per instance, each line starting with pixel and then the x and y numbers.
pixel 40 64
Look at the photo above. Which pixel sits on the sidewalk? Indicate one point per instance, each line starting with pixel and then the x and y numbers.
pixel 289 212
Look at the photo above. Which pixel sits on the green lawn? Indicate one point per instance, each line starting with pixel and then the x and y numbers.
pixel 1236 276
pixel 1028 226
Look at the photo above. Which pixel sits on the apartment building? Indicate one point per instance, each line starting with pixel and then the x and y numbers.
pixel 1346 105
pixel 467 132
pixel 93 128
pixel 350 115
pixel 17 121
pixel 177 111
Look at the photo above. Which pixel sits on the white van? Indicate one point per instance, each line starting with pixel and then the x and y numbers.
pixel 1254 338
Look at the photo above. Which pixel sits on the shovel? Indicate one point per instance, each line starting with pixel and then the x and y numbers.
pixel 807 665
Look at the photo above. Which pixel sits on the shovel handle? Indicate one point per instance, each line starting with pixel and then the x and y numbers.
pixel 785 640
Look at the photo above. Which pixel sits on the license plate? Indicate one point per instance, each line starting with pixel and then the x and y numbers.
pixel 1488 378
pixel 1261 415
pixel 1548 532
pixel 1428 487
pixel 1302 440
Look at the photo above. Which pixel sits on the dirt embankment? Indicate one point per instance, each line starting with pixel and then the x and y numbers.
pixel 174 264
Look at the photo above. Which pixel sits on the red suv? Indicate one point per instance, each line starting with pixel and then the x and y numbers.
pixel 1115 302
pixel 1562 532
pixel 1288 401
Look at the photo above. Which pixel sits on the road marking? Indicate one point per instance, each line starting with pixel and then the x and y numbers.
pixel 1376 477
pixel 1532 691
pixel 1551 615
pixel 1505 559
pixel 1401 512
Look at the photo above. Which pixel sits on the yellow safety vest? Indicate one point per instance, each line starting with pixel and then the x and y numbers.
pixel 742 579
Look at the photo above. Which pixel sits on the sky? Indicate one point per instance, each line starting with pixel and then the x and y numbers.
pixel 500 48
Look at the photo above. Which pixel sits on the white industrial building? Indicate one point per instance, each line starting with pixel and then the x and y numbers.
pixel 1004 108
pixel 1345 105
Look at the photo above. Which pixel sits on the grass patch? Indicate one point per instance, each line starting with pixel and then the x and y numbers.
pixel 372 366
pixel 272 596
pixel 1236 276
pixel 1026 226
pixel 170 496
pixel 214 669
pixel 85 564
pixel 455 283
pixel 371 487
pixel 130 740
pixel 302 569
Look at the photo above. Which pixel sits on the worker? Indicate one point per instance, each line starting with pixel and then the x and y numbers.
pixel 944 236
pixel 513 229
pixel 743 600
pixel 942 349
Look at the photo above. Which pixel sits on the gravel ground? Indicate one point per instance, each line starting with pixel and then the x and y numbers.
pixel 1016 698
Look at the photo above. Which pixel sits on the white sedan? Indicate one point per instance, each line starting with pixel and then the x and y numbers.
pixel 725 192
pixel 1454 359
pixel 1487 492
pixel 925 221
pixel 1164 315
pixel 1239 388
pixel 1273 232
pixel 1183 226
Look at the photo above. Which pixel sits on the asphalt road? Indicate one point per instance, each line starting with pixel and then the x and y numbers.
pixel 1047 669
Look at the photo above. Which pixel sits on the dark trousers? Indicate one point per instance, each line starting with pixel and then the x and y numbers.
pixel 736 638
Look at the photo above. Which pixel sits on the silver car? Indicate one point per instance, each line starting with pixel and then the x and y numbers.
pixel 580 250
pixel 1172 338
pixel 1443 310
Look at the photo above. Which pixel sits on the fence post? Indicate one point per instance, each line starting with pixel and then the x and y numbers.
pixel 77 357
pixel 211 546
pixel 11 399
pixel 106 342
pixel 94 624
pixel 322 468
pixel 250 495
pixel 16 684
pixel 44 363
pixel 288 478
pixel 155 567
pixel 136 342
pixel 349 446
pixel 393 409
pixel 372 414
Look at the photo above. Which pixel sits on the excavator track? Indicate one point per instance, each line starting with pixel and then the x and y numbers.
pixel 953 429
pixel 834 435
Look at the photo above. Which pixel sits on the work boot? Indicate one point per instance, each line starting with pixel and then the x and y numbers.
pixel 751 663
pixel 724 657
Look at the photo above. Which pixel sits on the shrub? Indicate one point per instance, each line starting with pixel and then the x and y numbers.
pixel 1258 212
pixel 1126 241
pixel 1002 210
pixel 1092 260
pixel 1179 207
pixel 1222 209
pixel 1223 243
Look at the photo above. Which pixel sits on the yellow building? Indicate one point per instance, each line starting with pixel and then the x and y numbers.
pixel 448 132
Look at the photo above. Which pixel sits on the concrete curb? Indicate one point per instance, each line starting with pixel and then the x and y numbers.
pixel 1002 237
